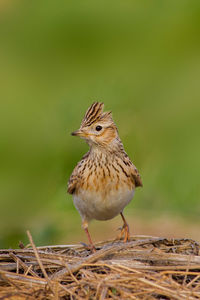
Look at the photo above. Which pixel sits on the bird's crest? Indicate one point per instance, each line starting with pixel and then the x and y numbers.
pixel 95 114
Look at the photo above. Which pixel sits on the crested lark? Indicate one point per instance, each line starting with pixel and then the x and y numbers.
pixel 103 182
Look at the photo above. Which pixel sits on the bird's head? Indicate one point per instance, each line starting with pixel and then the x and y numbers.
pixel 97 127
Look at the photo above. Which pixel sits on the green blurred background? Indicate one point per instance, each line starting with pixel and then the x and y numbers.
pixel 142 59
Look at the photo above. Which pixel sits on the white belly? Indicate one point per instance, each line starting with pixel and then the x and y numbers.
pixel 95 205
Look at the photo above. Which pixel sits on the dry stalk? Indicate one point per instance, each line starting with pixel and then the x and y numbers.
pixel 39 261
pixel 145 268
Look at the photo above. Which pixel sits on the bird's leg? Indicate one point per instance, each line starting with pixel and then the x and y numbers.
pixel 125 229
pixel 91 245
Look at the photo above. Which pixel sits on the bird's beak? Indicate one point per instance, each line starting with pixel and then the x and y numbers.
pixel 78 132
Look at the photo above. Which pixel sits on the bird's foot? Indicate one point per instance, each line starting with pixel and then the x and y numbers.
pixel 89 247
pixel 124 233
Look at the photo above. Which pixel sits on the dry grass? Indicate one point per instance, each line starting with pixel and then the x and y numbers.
pixel 145 268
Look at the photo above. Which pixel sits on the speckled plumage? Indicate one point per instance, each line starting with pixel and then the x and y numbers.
pixel 103 182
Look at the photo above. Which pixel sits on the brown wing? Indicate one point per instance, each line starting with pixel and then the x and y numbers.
pixel 73 181
pixel 76 174
pixel 132 170
pixel 136 176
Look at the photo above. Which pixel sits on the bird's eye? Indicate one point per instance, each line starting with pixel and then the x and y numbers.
pixel 98 128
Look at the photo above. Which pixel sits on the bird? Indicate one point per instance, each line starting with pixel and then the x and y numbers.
pixel 104 180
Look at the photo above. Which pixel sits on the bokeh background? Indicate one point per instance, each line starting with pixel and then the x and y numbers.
pixel 142 59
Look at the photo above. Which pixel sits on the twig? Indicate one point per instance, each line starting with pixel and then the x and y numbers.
pixel 25 279
pixel 100 255
pixel 144 268
pixel 39 261
pixel 24 266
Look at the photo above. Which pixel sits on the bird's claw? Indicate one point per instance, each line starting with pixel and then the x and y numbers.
pixel 88 247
